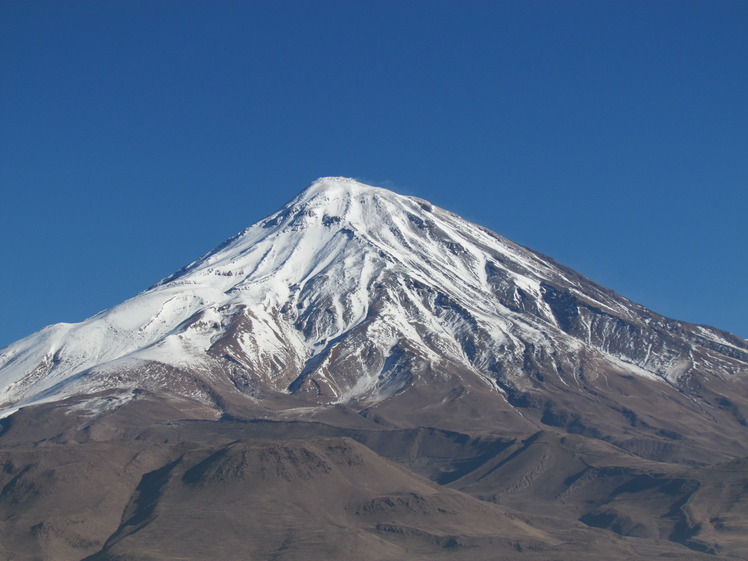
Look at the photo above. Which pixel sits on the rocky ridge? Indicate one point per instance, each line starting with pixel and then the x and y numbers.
pixel 356 313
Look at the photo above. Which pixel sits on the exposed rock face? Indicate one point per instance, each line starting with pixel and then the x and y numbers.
pixel 353 294
pixel 356 312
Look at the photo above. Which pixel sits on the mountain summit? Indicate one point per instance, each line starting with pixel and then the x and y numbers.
pixel 354 310
pixel 352 294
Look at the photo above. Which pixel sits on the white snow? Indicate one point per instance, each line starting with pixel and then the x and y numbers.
pixel 316 264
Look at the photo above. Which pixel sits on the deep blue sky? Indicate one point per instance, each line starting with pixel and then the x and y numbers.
pixel 137 135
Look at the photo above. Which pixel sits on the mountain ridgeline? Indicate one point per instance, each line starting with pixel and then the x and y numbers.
pixel 358 318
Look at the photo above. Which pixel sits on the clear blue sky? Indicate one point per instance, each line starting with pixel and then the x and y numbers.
pixel 137 135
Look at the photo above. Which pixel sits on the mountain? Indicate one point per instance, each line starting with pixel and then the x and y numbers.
pixel 357 313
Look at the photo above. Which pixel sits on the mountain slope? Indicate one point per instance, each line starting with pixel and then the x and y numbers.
pixel 290 499
pixel 356 313
pixel 354 295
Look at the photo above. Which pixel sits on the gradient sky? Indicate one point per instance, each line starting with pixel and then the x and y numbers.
pixel 137 135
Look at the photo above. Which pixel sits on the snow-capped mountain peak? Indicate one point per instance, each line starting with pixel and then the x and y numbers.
pixel 351 294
